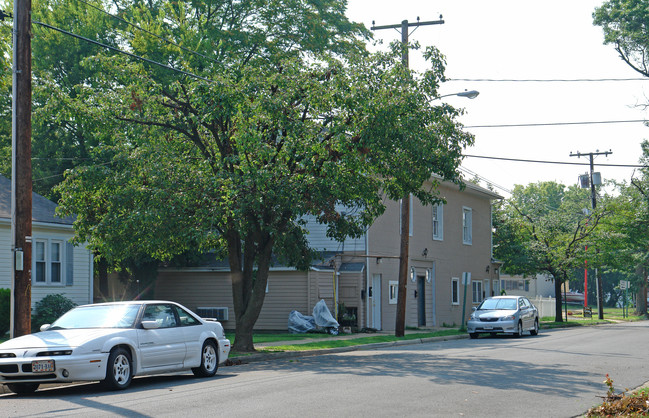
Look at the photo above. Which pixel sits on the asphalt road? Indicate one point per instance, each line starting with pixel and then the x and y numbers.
pixel 559 373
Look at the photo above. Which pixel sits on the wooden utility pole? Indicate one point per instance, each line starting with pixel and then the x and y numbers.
pixel 593 202
pixel 21 170
pixel 405 202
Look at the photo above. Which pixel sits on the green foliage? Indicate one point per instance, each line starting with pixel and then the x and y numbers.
pixel 625 26
pixel 50 308
pixel 5 310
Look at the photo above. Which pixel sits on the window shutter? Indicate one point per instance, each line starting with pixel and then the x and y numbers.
pixel 69 264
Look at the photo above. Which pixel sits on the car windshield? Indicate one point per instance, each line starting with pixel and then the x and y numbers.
pixel 98 316
pixel 508 304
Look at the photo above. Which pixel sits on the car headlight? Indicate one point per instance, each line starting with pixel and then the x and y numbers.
pixel 508 318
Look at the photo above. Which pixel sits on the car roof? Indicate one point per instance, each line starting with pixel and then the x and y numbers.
pixel 505 297
pixel 129 302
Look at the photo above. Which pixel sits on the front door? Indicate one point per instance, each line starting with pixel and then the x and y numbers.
pixel 376 301
pixel 421 301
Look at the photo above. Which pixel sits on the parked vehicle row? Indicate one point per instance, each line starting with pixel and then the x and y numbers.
pixel 112 342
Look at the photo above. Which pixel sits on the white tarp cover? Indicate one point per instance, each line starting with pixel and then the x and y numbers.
pixel 322 318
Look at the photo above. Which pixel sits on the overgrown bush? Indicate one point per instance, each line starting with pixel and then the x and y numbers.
pixel 49 309
pixel 5 306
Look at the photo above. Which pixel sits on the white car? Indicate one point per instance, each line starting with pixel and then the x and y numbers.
pixel 113 342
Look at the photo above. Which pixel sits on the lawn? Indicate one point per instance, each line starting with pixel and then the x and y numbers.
pixel 329 341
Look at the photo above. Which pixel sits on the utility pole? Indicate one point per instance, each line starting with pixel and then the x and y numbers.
pixel 21 171
pixel 593 200
pixel 405 202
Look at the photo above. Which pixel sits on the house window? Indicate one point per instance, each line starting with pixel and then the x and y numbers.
pixel 476 287
pixel 467 215
pixel 455 290
pixel 48 261
pixel 41 264
pixel 393 292
pixel 438 222
pixel 55 262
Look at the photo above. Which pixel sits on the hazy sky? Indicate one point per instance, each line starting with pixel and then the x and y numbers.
pixel 522 40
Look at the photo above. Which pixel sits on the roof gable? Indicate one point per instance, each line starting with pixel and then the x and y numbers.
pixel 43 210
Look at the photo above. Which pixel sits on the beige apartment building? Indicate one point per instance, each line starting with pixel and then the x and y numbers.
pixel 450 265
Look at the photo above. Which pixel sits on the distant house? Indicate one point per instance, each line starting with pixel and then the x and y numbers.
pixel 57 266
pixel 450 245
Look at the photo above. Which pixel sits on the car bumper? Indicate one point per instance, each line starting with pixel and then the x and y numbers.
pixel 505 327
pixel 224 350
pixel 66 369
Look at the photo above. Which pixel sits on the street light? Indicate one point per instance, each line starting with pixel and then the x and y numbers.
pixel 469 94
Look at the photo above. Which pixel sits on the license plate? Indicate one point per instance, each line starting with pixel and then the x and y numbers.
pixel 488 327
pixel 42 366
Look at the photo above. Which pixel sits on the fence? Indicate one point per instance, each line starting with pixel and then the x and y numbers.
pixel 546 306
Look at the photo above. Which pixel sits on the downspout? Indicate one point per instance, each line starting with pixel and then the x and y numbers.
pixel 367 280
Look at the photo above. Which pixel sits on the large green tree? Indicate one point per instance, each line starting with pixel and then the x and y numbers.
pixel 542 228
pixel 280 113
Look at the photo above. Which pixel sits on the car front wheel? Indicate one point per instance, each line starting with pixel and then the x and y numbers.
pixel 119 370
pixel 519 332
pixel 473 335
pixel 209 360
pixel 23 388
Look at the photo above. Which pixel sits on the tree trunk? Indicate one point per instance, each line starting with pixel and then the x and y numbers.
pixel 102 273
pixel 558 314
pixel 641 297
pixel 248 291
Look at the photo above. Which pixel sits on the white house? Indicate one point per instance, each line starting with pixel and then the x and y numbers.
pixel 57 265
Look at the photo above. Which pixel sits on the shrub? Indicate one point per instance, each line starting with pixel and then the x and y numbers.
pixel 49 309
pixel 5 306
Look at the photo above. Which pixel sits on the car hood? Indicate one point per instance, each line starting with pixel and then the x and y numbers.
pixel 57 338
pixel 494 313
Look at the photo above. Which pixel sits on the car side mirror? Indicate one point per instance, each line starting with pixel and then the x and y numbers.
pixel 475 308
pixel 150 324
pixel 45 327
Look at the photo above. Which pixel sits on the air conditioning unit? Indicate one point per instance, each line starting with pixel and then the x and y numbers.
pixel 211 312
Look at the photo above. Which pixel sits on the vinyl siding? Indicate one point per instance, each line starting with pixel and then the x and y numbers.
pixel 79 292
pixel 286 292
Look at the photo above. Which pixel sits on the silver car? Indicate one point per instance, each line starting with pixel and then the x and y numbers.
pixel 504 314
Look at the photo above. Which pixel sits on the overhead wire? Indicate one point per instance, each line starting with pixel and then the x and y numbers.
pixel 112 48
pixel 546 80
pixel 121 19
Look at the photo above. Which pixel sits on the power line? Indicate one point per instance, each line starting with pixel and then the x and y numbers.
pixel 553 162
pixel 522 125
pixel 112 48
pixel 546 80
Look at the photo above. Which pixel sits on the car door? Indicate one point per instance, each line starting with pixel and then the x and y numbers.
pixel 163 346
pixel 192 329
pixel 526 312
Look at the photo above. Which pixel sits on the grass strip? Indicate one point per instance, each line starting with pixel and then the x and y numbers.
pixel 336 343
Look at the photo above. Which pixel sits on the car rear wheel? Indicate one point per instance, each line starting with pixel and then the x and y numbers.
pixel 535 331
pixel 519 332
pixel 23 388
pixel 209 360
pixel 119 371
pixel 473 335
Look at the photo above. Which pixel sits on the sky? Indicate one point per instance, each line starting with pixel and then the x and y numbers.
pixel 523 40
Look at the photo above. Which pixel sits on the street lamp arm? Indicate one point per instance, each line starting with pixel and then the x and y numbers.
pixel 469 94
